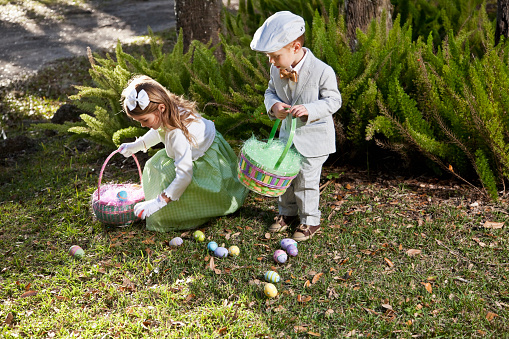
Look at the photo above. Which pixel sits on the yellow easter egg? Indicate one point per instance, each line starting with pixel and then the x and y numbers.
pixel 270 290
pixel 199 236
pixel 234 250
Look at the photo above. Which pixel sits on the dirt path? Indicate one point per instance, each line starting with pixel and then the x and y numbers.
pixel 34 35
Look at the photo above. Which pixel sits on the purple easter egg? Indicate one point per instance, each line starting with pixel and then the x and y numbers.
pixel 221 252
pixel 286 242
pixel 176 241
pixel 280 256
pixel 292 250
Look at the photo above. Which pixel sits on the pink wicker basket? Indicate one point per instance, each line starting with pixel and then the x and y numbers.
pixel 116 211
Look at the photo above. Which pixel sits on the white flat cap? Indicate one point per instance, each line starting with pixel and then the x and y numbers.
pixel 277 31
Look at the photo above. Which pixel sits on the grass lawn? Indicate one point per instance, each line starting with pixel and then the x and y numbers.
pixel 397 257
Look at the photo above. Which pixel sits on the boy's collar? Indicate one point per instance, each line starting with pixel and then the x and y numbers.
pixel 301 62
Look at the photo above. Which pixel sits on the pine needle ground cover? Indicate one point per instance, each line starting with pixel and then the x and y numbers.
pixel 396 258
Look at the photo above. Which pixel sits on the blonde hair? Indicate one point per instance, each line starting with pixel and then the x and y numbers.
pixel 179 112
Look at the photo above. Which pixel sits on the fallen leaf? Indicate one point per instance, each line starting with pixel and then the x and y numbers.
pixel 299 329
pixel 267 235
pixel 412 252
pixel 490 316
pixel 304 299
pixel 316 278
pixel 212 266
pixel 387 306
pixel 329 312
pixel 307 283
pixel 189 297
pixel 149 241
pixel 9 319
pixel 280 308
pixel 428 287
pixel 222 330
pixel 493 225
pixel 370 311
pixel 28 294
pixel 313 334
pixel 389 262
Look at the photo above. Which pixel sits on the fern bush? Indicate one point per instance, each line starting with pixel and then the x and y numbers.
pixel 455 110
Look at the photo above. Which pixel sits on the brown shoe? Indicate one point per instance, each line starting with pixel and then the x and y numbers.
pixel 282 222
pixel 305 232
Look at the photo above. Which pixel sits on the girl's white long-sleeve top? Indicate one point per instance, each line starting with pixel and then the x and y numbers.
pixel 182 151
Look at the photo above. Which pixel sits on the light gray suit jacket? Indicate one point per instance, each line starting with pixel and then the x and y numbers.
pixel 317 90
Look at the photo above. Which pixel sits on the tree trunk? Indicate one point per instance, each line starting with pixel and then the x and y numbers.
pixel 359 14
pixel 199 20
pixel 502 20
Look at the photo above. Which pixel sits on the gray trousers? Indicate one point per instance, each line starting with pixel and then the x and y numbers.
pixel 303 196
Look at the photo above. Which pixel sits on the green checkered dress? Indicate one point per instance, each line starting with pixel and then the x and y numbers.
pixel 214 190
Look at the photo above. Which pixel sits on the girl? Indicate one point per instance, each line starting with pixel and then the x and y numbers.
pixel 194 177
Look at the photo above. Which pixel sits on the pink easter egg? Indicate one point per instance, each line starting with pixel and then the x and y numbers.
pixel 292 250
pixel 280 256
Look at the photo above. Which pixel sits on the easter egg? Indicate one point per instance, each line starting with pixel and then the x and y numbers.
pixel 76 251
pixel 234 250
pixel 287 242
pixel 221 252
pixel 122 195
pixel 292 250
pixel 280 256
pixel 270 290
pixel 176 241
pixel 212 246
pixel 199 236
pixel 272 277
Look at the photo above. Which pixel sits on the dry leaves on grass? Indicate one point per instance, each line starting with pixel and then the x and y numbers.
pixel 388 262
pixel 490 316
pixel 28 294
pixel 428 287
pixel 303 299
pixel 412 252
pixel 493 225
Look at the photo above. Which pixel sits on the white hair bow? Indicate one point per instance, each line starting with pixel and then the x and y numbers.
pixel 134 98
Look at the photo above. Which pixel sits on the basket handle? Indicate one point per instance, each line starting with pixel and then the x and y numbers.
pixel 288 143
pixel 104 166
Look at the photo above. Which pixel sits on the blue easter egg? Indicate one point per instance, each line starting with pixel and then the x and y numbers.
pixel 272 277
pixel 122 195
pixel 221 252
pixel 212 246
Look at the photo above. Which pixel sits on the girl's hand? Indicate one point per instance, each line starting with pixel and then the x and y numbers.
pixel 129 148
pixel 280 110
pixel 147 208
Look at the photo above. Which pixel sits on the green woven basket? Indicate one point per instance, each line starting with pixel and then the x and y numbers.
pixel 271 182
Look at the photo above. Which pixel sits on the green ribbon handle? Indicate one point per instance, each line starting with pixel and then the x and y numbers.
pixel 288 143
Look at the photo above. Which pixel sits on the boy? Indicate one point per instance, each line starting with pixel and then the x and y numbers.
pixel 303 87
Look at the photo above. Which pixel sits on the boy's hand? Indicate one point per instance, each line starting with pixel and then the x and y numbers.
pixel 299 111
pixel 280 110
